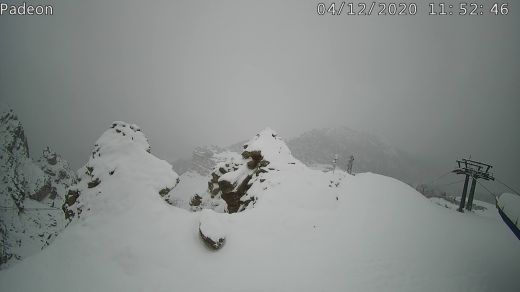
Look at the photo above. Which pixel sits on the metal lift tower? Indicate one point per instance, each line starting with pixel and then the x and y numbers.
pixel 475 169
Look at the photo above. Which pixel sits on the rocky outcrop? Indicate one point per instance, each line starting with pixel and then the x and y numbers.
pixel 14 156
pixel 30 192
pixel 121 158
pixel 58 170
pixel 232 180
pixel 14 141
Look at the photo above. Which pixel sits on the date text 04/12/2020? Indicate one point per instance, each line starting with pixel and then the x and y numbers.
pixel 25 9
pixel 423 8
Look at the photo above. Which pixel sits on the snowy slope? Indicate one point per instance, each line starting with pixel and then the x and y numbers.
pixel 307 231
pixel 190 183
pixel 30 193
pixel 479 207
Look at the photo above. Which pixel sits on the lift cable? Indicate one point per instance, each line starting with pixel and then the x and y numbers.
pixel 510 188
pixel 438 178
pixel 450 183
pixel 490 192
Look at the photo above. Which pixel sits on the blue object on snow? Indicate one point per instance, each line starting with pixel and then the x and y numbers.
pixel 508 221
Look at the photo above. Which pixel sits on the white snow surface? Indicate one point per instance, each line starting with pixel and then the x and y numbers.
pixel 190 183
pixel 481 208
pixel 309 231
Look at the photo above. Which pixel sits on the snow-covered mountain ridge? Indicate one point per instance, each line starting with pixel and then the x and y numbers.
pixel 371 154
pixel 307 230
pixel 317 148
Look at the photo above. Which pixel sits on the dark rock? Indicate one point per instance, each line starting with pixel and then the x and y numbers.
pixel 252 164
pixel 62 174
pixel 233 201
pixel 232 192
pixel 164 191
pixel 246 154
pixel 70 199
pixel 255 155
pixel 263 163
pixel 225 186
pixel 260 170
pixel 94 183
pixel 244 186
pixel 195 201
pixel 232 198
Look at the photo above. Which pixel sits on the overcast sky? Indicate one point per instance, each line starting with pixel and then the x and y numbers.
pixel 216 72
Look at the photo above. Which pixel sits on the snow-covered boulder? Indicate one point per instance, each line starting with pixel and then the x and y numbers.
pixel 212 229
pixel 120 160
